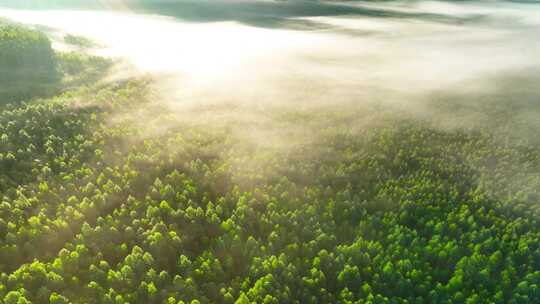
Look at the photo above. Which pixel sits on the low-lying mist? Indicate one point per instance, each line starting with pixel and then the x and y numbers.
pixel 425 59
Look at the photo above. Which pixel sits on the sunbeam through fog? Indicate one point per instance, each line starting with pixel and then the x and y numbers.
pixel 417 58
pixel 347 56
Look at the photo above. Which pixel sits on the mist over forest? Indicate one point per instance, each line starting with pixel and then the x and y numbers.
pixel 261 151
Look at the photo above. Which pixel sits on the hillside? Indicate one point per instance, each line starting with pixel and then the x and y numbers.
pixel 28 63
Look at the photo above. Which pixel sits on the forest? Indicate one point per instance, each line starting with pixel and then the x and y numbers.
pixel 110 195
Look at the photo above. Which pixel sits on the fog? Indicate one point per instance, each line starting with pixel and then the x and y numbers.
pixel 412 56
